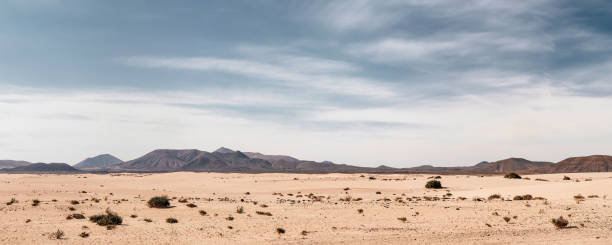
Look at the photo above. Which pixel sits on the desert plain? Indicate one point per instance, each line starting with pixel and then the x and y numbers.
pixel 307 208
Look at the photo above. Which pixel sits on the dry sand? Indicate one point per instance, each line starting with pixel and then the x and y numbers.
pixel 329 221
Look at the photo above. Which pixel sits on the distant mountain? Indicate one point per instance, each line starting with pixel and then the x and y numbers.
pixel 162 160
pixel 224 150
pixel 12 163
pixel 227 160
pixel 595 163
pixel 43 168
pixel 97 162
pixel 481 164
pixel 507 165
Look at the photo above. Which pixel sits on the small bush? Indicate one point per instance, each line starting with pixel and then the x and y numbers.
pixel 133 216
pixel 13 200
pixel 35 202
pixel 84 234
pixel 110 218
pixel 360 211
pixel 433 184
pixel 148 220
pixel 280 230
pixel 402 219
pixel 171 220
pixel 191 205
pixel 263 213
pixel 159 202
pixel 202 212
pixel 57 235
pixel 494 196
pixel 239 209
pixel 507 219
pixel 74 202
pixel 523 197
pixel 566 178
pixel 75 216
pixel 560 222
pixel 512 176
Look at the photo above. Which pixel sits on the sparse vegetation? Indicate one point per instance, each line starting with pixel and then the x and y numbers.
pixel 559 222
pixel 512 176
pixel 57 235
pixel 507 219
pixel 171 220
pixel 110 218
pixel 280 231
pixel 74 202
pixel 360 211
pixel 159 202
pixel 35 202
pixel 433 184
pixel 239 209
pixel 191 205
pixel 148 220
pixel 84 234
pixel 202 212
pixel 402 219
pixel 566 178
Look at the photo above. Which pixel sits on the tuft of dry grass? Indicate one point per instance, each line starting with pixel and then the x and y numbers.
pixel 263 213
pixel 239 209
pixel 402 219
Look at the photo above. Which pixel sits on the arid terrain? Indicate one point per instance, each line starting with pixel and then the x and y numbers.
pixel 307 209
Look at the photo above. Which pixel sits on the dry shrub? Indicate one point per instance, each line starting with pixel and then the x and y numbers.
pixel 559 222
pixel 433 184
pixel 159 202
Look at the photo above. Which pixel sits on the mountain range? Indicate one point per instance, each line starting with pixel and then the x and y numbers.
pixel 227 160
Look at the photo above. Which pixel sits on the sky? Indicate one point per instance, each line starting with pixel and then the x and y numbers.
pixel 364 82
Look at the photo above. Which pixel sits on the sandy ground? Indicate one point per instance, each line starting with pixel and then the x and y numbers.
pixel 327 221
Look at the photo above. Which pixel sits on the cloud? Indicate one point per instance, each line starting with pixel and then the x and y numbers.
pixel 296 72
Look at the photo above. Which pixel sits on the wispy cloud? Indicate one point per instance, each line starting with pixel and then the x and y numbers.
pixel 297 72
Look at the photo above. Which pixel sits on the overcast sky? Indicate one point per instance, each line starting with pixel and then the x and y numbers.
pixel 400 83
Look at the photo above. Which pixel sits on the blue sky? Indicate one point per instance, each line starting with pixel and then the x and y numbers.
pixel 401 82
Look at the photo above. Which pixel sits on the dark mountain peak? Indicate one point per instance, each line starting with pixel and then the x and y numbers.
pixel 224 150
pixel 100 161
pixel 593 163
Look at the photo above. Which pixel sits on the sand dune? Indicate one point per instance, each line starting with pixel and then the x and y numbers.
pixel 444 219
